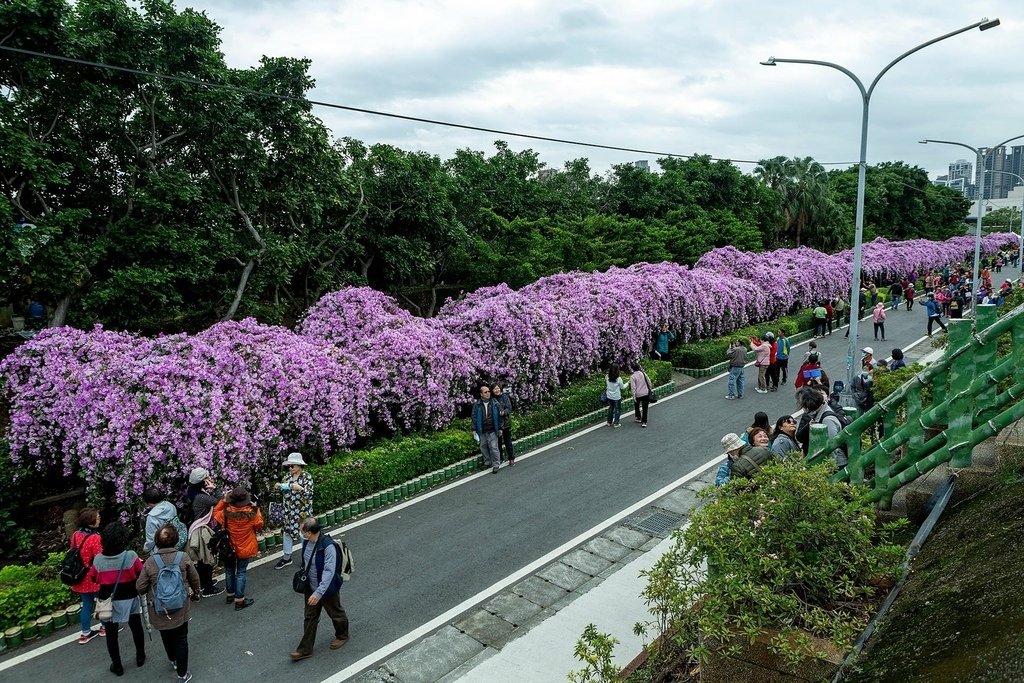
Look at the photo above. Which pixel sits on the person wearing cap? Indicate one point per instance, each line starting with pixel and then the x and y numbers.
pixel 867 361
pixel 742 459
pixel 242 519
pixel 200 495
pixel 298 504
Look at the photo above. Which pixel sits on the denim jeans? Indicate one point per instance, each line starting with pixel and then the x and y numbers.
pixel 234 577
pixel 88 604
pixel 614 410
pixel 736 382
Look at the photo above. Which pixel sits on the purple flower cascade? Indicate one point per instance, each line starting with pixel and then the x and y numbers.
pixel 126 410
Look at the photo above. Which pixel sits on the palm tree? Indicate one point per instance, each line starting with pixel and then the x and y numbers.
pixel 803 186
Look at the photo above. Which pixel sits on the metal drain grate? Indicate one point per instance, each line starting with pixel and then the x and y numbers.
pixel 656 523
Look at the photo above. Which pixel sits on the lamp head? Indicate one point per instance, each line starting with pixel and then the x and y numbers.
pixel 986 24
pixel 768 62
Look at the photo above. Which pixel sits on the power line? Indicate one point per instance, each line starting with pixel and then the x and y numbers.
pixel 372 112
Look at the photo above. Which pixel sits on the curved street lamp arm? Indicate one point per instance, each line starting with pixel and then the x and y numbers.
pixel 837 67
pixel 985 23
pixel 1016 137
pixel 950 142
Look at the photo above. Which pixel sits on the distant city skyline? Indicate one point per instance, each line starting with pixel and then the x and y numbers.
pixel 962 175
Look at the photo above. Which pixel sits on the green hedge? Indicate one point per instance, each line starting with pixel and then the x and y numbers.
pixel 394 461
pixel 577 399
pixel 708 352
pixel 29 591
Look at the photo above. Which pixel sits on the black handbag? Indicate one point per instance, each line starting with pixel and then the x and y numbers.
pixel 300 580
pixel 651 398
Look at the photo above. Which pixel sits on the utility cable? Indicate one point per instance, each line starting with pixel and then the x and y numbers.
pixel 372 112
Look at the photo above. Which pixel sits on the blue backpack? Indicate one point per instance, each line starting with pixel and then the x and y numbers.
pixel 169 592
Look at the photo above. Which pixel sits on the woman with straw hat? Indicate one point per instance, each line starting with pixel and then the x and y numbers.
pixel 298 504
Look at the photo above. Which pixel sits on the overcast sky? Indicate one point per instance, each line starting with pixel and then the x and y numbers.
pixel 672 76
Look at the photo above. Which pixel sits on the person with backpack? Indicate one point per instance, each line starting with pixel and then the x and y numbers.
pixel 322 565
pixel 116 570
pixel 171 581
pixel 242 519
pixel 160 512
pixel 85 545
pixel 742 459
pixel 818 411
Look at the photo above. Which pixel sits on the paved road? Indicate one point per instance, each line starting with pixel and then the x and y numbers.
pixel 418 562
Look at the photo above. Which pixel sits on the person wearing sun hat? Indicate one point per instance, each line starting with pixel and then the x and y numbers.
pixel 297 488
pixel 242 519
pixel 201 498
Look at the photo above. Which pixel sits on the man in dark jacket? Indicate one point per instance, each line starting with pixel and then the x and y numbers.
pixel 505 446
pixel 322 561
pixel 487 427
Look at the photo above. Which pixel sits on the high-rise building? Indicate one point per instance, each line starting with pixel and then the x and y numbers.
pixel 996 185
pixel 1016 163
pixel 643 165
pixel 961 173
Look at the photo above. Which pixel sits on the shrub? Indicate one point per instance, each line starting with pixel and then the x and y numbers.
pixel 704 354
pixel 29 591
pixel 789 550
pixel 388 462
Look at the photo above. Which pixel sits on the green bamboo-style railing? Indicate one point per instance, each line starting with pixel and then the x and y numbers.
pixel 941 414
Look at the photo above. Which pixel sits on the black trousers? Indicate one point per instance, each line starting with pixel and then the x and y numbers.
pixel 935 319
pixel 773 374
pixel 205 576
pixel 782 368
pixel 135 624
pixel 311 619
pixel 176 646
pixel 640 406
pixel 505 448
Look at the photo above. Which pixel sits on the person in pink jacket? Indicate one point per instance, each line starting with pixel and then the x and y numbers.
pixel 761 361
pixel 641 387
pixel 878 317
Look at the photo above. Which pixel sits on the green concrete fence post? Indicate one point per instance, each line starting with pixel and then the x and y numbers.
pixel 961 403
pixel 985 356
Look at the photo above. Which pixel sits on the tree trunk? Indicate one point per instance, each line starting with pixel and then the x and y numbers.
pixel 240 290
pixel 60 314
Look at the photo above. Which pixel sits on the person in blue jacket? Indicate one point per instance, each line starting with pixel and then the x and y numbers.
pixel 487 427
pixel 321 559
pixel 934 314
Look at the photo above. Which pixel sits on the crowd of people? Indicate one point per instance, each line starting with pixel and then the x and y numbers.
pixel 122 588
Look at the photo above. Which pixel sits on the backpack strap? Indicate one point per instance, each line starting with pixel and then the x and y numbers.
pixel 757 468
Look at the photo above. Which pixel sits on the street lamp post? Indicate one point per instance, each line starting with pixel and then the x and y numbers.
pixel 982 158
pixel 1020 253
pixel 858 238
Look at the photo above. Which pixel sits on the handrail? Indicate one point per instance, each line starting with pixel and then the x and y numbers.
pixel 971 405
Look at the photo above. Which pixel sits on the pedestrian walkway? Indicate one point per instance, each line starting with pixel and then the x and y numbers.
pixel 429 564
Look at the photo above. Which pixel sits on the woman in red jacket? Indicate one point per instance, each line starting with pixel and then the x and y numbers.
pixel 87 540
pixel 811 371
pixel 242 520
